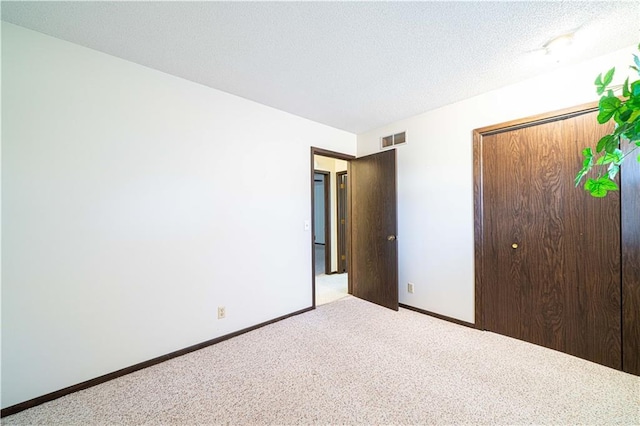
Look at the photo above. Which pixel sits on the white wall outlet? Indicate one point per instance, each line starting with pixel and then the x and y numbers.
pixel 222 312
pixel 410 287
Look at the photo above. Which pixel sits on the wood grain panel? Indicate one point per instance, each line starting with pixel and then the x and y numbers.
pixel 374 259
pixel 630 192
pixel 593 236
pixel 560 287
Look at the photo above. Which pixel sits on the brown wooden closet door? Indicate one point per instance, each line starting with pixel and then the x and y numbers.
pixel 551 253
pixel 630 201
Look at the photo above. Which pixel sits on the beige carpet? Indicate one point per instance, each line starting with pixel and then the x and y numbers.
pixel 351 362
pixel 330 288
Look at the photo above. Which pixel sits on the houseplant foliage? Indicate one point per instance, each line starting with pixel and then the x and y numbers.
pixel 620 103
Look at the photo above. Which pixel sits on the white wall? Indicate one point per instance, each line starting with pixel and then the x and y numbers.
pixel 435 197
pixel 134 204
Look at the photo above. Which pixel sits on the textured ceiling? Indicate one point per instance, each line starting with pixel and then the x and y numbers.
pixel 352 65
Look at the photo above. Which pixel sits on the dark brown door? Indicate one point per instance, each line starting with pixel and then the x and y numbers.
pixel 322 216
pixel 341 190
pixel 373 271
pixel 550 252
pixel 630 201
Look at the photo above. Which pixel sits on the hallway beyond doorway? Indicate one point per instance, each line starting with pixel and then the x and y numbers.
pixel 320 254
pixel 330 288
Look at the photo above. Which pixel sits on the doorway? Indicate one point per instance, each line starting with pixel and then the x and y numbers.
pixel 331 280
pixel 369 210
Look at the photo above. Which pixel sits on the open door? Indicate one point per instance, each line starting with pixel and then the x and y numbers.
pixel 373 271
pixel 342 201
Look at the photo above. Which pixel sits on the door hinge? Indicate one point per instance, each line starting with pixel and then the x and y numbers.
pixel 343 257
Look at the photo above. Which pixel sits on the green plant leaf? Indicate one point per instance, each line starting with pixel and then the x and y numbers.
pixel 615 157
pixel 607 184
pixel 599 86
pixel 618 156
pixel 604 141
pixel 625 111
pixel 626 92
pixel 599 187
pixel 587 164
pixel 608 106
pixel 632 131
pixel 608 77
pixel 633 103
pixel 623 116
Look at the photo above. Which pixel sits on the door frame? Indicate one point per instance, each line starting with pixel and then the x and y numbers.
pixel 478 202
pixel 326 188
pixel 338 156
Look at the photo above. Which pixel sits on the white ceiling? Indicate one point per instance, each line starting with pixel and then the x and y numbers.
pixel 352 65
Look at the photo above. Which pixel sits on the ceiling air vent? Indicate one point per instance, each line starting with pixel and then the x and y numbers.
pixel 392 140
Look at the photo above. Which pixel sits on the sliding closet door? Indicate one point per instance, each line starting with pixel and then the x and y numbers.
pixel 550 253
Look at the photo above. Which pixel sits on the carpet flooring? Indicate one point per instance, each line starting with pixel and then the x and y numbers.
pixel 352 362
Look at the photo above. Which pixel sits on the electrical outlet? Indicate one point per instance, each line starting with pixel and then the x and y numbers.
pixel 410 287
pixel 222 312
